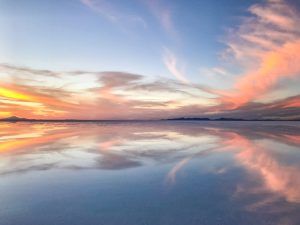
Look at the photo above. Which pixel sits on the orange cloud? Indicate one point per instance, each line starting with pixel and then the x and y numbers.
pixel 293 103
pixel 117 95
pixel 267 45
pixel 275 65
pixel 29 97
pixel 11 94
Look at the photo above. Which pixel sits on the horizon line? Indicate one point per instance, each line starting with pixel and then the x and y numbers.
pixel 18 119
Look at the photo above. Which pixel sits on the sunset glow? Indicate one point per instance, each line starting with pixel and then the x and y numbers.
pixel 101 59
pixel 10 94
pixel 159 112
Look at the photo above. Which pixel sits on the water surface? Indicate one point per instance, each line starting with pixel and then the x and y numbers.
pixel 161 173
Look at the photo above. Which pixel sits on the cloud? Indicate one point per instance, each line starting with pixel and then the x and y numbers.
pixel 276 13
pixel 171 63
pixel 287 109
pixel 266 44
pixel 163 14
pixel 117 14
pixel 114 14
pixel 276 65
pixel 121 95
pixel 113 79
pixel 118 95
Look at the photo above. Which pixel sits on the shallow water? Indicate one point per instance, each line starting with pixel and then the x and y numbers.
pixel 161 173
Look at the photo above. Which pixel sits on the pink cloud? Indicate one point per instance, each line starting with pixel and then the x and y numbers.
pixel 267 45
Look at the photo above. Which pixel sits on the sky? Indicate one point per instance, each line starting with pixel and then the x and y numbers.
pixel 150 59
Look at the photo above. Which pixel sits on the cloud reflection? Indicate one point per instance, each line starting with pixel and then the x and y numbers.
pixel 117 146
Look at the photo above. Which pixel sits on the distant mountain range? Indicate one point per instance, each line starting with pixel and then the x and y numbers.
pixel 19 119
pixel 216 119
pixel 225 119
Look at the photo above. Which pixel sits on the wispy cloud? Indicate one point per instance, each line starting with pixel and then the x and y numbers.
pixel 171 63
pixel 163 14
pixel 113 13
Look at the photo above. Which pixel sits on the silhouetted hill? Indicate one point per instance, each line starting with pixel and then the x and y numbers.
pixel 14 118
pixel 187 118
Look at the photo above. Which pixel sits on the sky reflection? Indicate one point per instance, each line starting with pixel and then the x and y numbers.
pixel 243 169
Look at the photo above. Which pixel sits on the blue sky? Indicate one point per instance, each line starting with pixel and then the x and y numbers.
pixel 69 35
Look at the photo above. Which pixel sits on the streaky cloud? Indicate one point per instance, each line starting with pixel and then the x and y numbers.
pixel 113 13
pixel 122 95
pixel 171 63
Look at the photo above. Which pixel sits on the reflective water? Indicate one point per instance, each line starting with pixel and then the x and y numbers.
pixel 156 173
